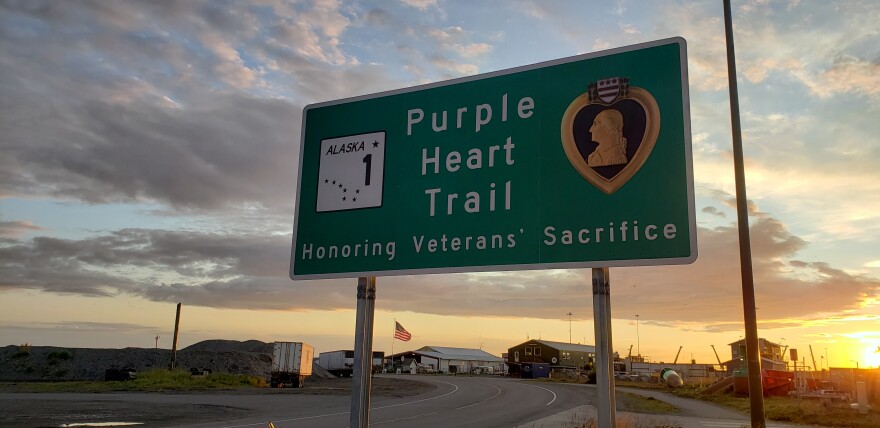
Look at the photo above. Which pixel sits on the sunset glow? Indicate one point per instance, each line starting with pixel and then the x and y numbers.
pixel 150 157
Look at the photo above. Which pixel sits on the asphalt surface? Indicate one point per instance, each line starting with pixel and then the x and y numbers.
pixel 483 402
pixel 458 401
pixel 477 402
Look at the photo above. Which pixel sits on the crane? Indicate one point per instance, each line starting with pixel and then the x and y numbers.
pixel 813 357
pixel 677 354
pixel 716 356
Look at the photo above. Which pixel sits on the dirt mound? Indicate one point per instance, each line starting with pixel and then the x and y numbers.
pixel 219 345
pixel 54 363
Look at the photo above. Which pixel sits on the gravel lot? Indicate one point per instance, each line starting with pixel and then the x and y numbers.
pixel 21 366
pixel 53 410
pixel 55 363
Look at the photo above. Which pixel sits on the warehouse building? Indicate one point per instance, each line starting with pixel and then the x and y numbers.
pixel 448 360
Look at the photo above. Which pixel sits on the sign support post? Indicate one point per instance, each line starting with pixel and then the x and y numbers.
pixel 606 405
pixel 363 353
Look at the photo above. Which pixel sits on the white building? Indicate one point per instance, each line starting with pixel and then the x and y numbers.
pixel 453 360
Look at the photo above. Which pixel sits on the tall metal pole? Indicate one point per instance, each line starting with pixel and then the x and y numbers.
pixel 363 353
pixel 393 333
pixel 174 345
pixel 753 357
pixel 638 339
pixel 569 326
pixel 606 406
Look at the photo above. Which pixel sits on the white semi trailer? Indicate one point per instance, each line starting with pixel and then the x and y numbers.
pixel 341 363
pixel 291 364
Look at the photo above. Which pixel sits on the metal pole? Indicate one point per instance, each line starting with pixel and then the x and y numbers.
pixel 174 345
pixel 569 326
pixel 363 353
pixel 753 357
pixel 367 367
pixel 638 339
pixel 393 332
pixel 606 406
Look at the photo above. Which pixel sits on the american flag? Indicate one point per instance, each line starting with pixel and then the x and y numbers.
pixel 400 333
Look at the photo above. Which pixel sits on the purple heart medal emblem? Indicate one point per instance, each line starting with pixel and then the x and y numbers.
pixel 609 131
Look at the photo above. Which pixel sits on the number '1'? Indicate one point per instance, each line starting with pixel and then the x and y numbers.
pixel 368 159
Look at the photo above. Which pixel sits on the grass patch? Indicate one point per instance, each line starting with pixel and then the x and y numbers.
pixel 150 381
pixel 816 413
pixel 784 409
pixel 629 402
pixel 641 385
pixel 636 421
pixel 165 380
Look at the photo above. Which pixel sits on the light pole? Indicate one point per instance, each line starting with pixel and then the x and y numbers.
pixel 569 326
pixel 638 340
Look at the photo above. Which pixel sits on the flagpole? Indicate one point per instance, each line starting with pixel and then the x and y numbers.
pixel 393 332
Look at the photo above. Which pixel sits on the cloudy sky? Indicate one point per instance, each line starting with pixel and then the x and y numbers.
pixel 150 152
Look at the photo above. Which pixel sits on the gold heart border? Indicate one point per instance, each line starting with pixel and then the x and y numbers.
pixel 652 130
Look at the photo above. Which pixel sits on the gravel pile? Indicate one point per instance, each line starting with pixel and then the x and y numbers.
pixel 36 363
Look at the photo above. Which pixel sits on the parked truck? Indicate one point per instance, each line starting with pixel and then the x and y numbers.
pixel 341 363
pixel 291 364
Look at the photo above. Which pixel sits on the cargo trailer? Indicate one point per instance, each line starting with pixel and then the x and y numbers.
pixel 341 363
pixel 291 364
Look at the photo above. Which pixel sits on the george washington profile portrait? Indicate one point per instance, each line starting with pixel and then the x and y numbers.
pixel 607 131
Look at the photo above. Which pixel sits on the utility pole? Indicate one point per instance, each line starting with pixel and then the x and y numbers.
pixel 638 341
pixel 176 331
pixel 750 317
pixel 569 326
pixel 157 341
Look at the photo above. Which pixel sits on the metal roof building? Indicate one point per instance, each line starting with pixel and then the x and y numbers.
pixel 454 360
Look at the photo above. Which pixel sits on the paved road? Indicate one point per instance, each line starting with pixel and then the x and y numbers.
pixel 482 402
pixel 458 401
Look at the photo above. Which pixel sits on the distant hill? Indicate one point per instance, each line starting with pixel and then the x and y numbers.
pixel 220 345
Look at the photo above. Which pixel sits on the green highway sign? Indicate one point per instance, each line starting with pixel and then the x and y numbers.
pixel 578 162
